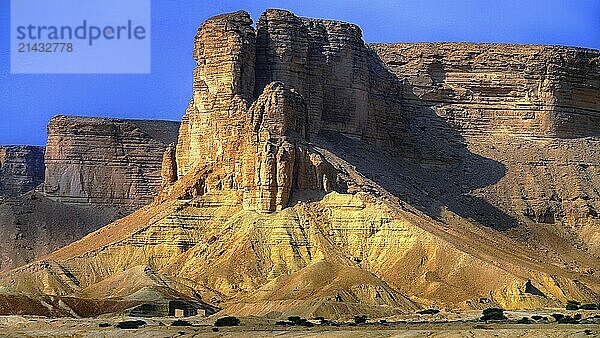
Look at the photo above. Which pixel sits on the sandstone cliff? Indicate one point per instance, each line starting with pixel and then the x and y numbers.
pixel 533 110
pixel 105 161
pixel 21 169
pixel 315 176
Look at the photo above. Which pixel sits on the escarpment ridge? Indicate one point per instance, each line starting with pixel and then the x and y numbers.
pixel 317 175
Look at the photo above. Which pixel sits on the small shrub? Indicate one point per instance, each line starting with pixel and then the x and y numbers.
pixel 130 324
pixel 537 317
pixel 493 314
pixel 557 316
pixel 572 305
pixel 568 320
pixel 227 321
pixel 299 321
pixel 428 311
pixel 295 320
pixel 360 319
pixel 103 325
pixel 215 329
pixel 180 322
pixel 524 320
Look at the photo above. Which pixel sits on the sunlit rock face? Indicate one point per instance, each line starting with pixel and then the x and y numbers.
pixel 103 161
pixel 270 90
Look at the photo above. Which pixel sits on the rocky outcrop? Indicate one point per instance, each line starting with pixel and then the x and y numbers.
pixel 259 148
pixel 21 169
pixel 105 161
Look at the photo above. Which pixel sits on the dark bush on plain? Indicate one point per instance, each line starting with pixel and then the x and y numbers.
pixel 588 307
pixel 227 321
pixel 131 324
pixel 180 322
pixel 493 314
pixel 360 319
pixel 524 320
pixel 299 321
pixel 572 305
pixel 103 325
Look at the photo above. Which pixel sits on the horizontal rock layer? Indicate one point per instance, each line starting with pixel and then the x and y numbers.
pixel 105 161
pixel 529 90
pixel 21 169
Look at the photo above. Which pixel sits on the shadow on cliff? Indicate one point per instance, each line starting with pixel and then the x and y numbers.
pixel 431 167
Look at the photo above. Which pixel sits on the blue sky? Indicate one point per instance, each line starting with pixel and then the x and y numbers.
pixel 28 101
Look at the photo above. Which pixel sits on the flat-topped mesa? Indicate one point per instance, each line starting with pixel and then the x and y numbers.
pixel 105 161
pixel 500 89
pixel 329 78
pixel 21 169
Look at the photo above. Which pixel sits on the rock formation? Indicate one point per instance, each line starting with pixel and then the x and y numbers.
pixel 533 109
pixel 105 161
pixel 21 169
pixel 315 175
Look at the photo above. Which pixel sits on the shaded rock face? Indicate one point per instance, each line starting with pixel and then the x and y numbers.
pixel 21 169
pixel 105 161
pixel 492 89
pixel 33 225
pixel 532 113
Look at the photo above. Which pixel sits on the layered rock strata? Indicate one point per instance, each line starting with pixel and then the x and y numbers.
pixel 105 161
pixel 260 148
pixel 535 110
pixel 499 89
pixel 21 169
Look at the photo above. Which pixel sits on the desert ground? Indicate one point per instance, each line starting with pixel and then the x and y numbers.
pixel 442 325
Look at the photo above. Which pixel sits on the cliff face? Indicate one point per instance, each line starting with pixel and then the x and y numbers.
pixel 492 89
pixel 21 169
pixel 105 161
pixel 534 110
pixel 33 225
pixel 315 177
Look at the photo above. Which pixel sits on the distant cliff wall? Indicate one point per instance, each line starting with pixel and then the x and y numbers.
pixel 105 161
pixel 501 89
pixel 21 169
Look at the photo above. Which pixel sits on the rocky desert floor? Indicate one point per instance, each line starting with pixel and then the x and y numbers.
pixel 30 326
